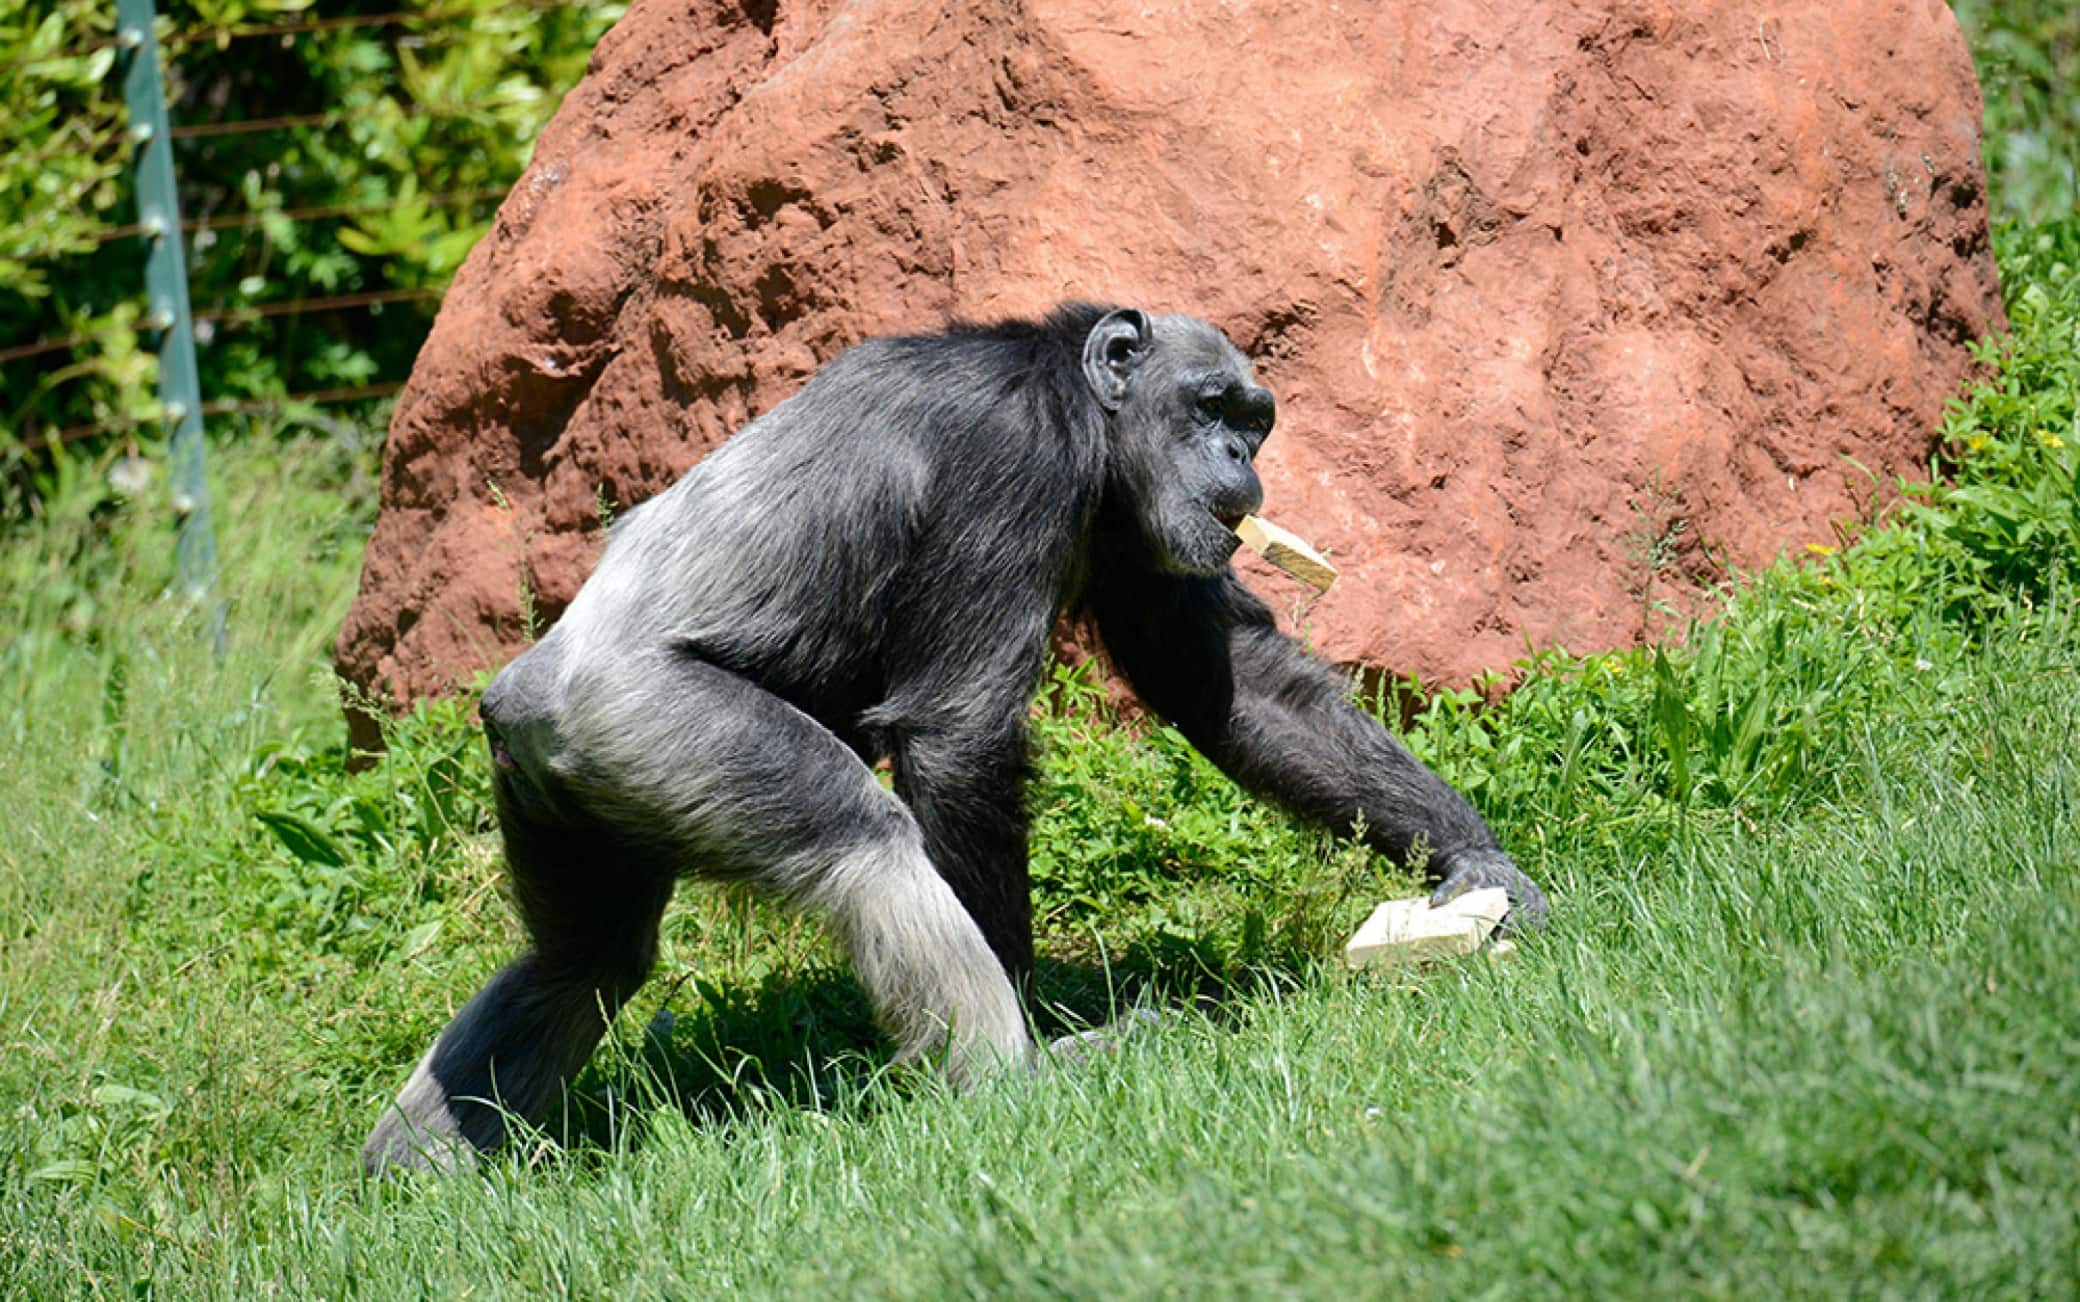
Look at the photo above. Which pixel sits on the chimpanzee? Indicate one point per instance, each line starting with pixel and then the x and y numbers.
pixel 871 570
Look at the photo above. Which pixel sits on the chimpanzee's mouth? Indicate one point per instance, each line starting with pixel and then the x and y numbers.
pixel 1230 520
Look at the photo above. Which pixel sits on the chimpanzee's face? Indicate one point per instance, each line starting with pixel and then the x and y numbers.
pixel 1189 419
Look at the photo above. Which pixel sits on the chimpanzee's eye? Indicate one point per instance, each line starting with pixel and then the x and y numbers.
pixel 1213 408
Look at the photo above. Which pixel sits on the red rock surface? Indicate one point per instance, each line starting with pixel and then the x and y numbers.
pixel 1560 300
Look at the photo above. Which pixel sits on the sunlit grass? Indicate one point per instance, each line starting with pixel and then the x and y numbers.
pixel 1802 1022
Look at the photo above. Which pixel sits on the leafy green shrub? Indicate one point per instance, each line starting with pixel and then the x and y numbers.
pixel 58 173
pixel 1138 838
pixel 396 140
pixel 2012 517
pixel 2028 58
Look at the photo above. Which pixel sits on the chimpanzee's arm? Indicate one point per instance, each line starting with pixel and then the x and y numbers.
pixel 1206 655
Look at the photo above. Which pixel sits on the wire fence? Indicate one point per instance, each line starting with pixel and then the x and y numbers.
pixel 242 158
pixel 221 35
pixel 222 407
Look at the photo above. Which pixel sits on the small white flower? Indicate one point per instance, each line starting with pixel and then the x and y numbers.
pixel 131 476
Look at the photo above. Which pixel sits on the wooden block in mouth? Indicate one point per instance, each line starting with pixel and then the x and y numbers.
pixel 1287 550
pixel 1410 931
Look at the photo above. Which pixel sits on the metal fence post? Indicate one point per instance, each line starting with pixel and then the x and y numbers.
pixel 166 289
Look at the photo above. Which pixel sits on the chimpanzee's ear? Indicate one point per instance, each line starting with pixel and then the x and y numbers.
pixel 1114 347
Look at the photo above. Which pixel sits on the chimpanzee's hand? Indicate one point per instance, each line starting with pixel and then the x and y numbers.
pixel 1471 870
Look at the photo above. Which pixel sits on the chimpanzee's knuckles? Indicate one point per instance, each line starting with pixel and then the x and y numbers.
pixel 1478 871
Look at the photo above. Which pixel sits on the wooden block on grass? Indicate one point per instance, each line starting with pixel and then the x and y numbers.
pixel 1410 931
pixel 1287 550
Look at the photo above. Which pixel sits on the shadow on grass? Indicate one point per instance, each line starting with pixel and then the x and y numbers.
pixel 806 1041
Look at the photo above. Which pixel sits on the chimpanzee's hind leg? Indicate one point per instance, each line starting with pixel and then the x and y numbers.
pixel 665 762
pixel 742 786
pixel 591 904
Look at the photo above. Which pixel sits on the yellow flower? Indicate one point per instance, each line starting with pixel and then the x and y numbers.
pixel 2050 440
pixel 1820 549
pixel 1975 442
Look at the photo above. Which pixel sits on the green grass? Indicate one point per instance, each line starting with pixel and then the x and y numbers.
pixel 1804 1020
pixel 1827 1050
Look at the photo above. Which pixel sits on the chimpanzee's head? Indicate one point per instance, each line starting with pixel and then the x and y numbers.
pixel 1187 418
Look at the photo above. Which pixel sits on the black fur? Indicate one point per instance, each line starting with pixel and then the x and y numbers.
pixel 872 570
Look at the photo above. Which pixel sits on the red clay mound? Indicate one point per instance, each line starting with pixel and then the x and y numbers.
pixel 1559 300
